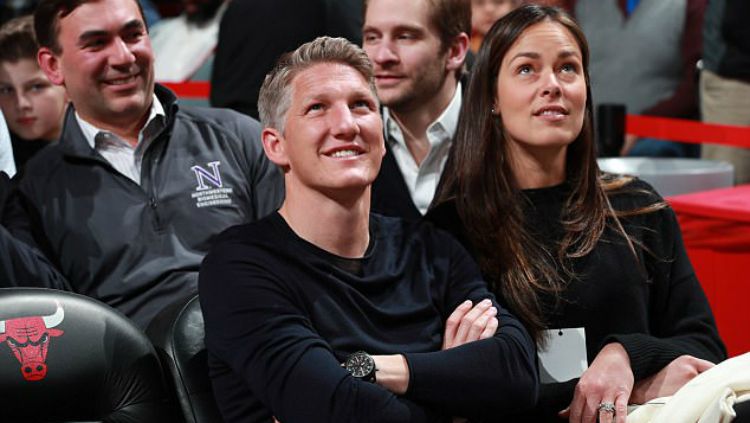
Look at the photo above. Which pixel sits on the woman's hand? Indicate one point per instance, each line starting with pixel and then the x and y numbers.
pixel 467 324
pixel 669 379
pixel 609 379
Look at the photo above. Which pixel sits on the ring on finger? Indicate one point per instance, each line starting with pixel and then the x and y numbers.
pixel 607 406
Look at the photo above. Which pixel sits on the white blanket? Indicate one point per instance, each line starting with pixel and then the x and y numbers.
pixel 708 398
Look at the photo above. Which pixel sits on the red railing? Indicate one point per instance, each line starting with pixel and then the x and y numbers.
pixel 687 130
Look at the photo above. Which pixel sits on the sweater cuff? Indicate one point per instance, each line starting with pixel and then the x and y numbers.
pixel 426 377
pixel 410 387
pixel 647 354
pixel 412 390
pixel 407 358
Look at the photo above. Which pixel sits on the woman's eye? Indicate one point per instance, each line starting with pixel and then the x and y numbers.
pixel 569 67
pixel 525 69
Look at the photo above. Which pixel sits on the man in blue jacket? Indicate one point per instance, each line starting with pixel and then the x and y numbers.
pixel 128 202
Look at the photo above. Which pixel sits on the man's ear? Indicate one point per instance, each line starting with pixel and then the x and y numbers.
pixel 274 146
pixel 50 65
pixel 457 52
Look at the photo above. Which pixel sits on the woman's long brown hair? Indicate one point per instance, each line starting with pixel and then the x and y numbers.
pixel 479 178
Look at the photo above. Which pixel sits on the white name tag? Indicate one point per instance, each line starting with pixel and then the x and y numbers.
pixel 564 356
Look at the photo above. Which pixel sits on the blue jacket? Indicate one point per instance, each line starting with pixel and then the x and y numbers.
pixel 139 247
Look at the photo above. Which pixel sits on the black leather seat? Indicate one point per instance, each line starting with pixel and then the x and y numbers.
pixel 177 332
pixel 68 358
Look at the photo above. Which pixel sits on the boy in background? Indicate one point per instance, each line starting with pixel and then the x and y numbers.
pixel 32 105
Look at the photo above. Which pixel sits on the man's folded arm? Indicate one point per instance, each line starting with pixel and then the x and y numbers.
pixel 253 327
pixel 494 376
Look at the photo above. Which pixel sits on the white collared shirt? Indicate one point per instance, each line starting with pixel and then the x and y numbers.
pixel 422 180
pixel 125 158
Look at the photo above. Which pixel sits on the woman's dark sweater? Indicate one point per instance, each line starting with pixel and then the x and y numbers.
pixel 657 315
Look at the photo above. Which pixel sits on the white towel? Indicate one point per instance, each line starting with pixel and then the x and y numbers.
pixel 708 398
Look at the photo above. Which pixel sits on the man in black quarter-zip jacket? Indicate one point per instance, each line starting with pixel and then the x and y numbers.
pixel 128 202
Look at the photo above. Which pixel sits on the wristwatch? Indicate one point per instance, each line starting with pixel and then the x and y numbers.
pixel 361 365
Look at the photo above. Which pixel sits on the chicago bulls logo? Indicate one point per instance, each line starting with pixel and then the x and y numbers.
pixel 28 338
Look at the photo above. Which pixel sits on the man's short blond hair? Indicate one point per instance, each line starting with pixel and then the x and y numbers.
pixel 276 92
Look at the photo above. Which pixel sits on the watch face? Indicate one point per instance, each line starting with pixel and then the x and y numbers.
pixel 359 364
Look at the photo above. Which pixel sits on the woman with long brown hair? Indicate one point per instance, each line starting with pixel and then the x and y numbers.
pixel 564 245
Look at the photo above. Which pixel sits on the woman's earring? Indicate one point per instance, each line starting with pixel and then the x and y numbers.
pixel 492 110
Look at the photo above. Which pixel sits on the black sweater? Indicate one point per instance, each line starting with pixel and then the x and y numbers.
pixel 657 315
pixel 282 314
